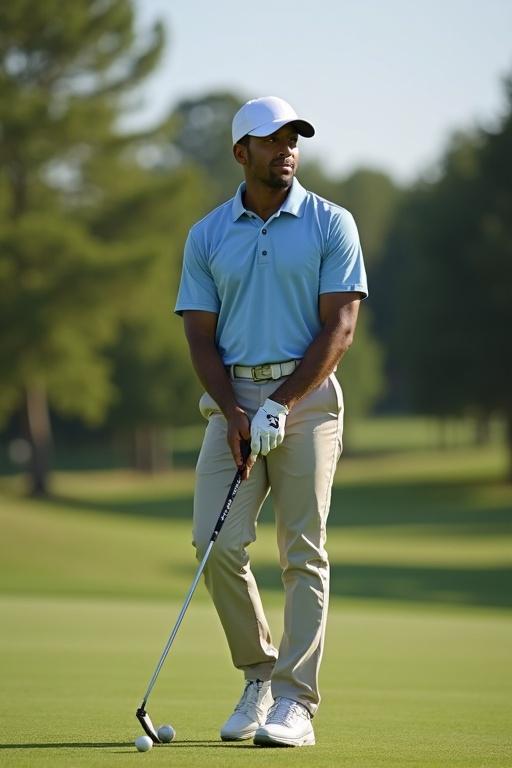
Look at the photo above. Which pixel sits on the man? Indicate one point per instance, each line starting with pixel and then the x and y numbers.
pixel 270 291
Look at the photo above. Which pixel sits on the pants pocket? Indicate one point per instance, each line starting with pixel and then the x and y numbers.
pixel 341 410
pixel 208 406
pixel 338 391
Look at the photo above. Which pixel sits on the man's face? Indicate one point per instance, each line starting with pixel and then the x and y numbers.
pixel 271 160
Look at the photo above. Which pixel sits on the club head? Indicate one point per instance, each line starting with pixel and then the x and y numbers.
pixel 145 720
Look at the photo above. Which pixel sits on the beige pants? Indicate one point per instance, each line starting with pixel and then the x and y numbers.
pixel 299 473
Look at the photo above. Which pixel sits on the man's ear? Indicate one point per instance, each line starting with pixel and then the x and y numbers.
pixel 240 153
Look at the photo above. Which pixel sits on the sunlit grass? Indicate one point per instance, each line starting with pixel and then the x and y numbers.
pixel 417 662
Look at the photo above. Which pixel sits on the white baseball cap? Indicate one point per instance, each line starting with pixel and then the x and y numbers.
pixel 261 117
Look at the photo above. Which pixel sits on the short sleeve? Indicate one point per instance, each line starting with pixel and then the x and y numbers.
pixel 197 288
pixel 342 267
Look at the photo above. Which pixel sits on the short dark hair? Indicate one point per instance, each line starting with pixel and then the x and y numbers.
pixel 244 140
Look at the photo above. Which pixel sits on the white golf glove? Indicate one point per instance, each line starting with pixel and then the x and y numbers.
pixel 267 427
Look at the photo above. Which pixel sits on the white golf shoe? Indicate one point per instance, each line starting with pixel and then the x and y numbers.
pixel 249 713
pixel 288 724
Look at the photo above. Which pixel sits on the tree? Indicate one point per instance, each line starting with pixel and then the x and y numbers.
pixel 495 241
pixel 453 271
pixel 373 198
pixel 200 131
pixel 435 285
pixel 361 374
pixel 64 70
pixel 152 374
pixel 62 297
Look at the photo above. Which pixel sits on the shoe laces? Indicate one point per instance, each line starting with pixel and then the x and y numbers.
pixel 250 696
pixel 283 711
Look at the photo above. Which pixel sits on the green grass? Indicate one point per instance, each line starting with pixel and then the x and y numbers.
pixel 392 433
pixel 417 668
pixel 414 527
pixel 401 688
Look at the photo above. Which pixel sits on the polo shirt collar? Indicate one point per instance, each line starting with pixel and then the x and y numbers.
pixel 237 206
pixel 294 203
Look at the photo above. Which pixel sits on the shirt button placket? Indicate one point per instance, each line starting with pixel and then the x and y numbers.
pixel 263 247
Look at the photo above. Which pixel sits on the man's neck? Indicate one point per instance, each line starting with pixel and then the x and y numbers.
pixel 263 200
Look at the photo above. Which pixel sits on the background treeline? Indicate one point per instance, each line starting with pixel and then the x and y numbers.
pixel 93 219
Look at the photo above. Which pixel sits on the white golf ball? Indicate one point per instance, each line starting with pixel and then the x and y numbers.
pixel 166 733
pixel 143 743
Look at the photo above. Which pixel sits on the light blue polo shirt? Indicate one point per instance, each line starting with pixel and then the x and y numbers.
pixel 263 279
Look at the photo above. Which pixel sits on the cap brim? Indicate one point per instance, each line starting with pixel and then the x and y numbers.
pixel 303 128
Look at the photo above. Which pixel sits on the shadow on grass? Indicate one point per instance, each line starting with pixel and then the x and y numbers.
pixel 444 504
pixel 446 508
pixel 167 508
pixel 127 744
pixel 449 504
pixel 69 745
pixel 490 587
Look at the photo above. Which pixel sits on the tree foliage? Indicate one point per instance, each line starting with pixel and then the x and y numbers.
pixel 64 70
pixel 62 297
pixel 450 258
pixel 200 131
pixel 373 199
pixel 93 221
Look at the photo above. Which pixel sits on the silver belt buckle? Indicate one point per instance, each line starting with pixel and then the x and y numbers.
pixel 260 372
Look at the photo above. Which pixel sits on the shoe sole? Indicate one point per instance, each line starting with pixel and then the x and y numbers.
pixel 263 740
pixel 237 738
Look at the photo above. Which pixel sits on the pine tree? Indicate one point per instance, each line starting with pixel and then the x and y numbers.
pixel 65 72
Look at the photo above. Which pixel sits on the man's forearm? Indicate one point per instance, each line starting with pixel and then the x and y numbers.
pixel 212 374
pixel 325 351
pixel 320 360
pixel 200 331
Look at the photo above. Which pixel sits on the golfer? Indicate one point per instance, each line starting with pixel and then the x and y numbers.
pixel 270 291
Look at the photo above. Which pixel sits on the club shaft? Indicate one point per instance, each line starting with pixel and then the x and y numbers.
pixel 174 632
pixel 235 485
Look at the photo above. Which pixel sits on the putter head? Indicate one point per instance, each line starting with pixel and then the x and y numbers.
pixel 145 720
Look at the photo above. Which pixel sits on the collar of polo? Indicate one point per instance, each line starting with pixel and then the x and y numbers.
pixel 294 203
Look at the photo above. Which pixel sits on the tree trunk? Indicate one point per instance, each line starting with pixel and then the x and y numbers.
pixel 39 434
pixel 443 433
pixel 482 430
pixel 508 420
pixel 148 450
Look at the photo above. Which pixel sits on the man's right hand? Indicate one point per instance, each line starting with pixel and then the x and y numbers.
pixel 239 430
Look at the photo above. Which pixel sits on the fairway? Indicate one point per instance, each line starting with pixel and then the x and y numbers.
pixel 422 688
pixel 417 666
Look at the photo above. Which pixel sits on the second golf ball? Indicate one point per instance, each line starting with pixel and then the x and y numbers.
pixel 166 733
pixel 143 743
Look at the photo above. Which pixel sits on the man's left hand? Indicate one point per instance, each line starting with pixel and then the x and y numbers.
pixel 267 427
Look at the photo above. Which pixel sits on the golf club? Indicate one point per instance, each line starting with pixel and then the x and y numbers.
pixel 141 714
